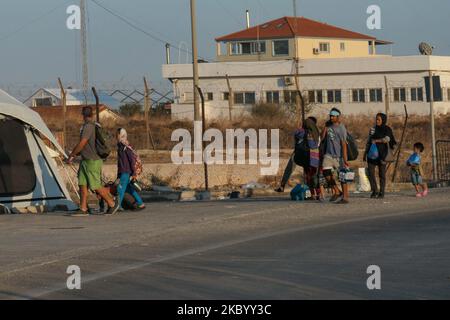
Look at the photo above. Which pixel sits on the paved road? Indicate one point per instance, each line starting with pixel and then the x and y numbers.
pixel 271 249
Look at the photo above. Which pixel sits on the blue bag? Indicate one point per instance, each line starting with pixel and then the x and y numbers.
pixel 373 153
pixel 299 193
pixel 414 159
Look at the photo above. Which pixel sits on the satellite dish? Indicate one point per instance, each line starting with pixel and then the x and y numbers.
pixel 425 49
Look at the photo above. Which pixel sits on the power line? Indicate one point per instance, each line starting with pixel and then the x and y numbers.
pixel 263 8
pixel 137 28
pixel 229 12
pixel 24 26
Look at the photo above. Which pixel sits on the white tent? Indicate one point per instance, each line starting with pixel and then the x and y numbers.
pixel 28 174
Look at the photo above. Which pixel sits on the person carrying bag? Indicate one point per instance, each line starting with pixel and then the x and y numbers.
pixel 379 151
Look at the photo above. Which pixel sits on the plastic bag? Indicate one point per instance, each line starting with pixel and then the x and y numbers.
pixel 363 181
pixel 373 153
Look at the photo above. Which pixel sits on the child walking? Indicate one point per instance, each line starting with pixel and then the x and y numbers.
pixel 414 162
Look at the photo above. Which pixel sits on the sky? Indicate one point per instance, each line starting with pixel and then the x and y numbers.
pixel 36 47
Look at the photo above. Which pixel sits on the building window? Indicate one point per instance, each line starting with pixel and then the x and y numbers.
pixel 43 102
pixel 209 96
pixel 273 97
pixel 226 96
pixel 315 96
pixel 248 48
pixel 244 98
pixel 399 94
pixel 342 46
pixel 376 95
pixel 311 96
pixel 290 96
pixel 416 94
pixel 359 95
pixel 280 47
pixel 334 96
pixel 324 47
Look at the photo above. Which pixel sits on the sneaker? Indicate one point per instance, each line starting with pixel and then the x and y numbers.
pixel 342 201
pixel 425 193
pixel 139 208
pixel 419 195
pixel 380 195
pixel 374 195
pixel 113 210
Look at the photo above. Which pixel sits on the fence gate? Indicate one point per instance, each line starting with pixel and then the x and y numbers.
pixel 443 160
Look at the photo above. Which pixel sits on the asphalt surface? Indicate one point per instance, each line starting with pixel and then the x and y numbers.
pixel 257 249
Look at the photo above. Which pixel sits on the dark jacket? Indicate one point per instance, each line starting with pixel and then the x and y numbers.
pixel 389 142
pixel 125 160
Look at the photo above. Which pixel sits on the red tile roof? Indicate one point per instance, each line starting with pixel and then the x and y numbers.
pixel 285 28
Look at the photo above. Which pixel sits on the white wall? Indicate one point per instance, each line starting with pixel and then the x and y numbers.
pixel 344 74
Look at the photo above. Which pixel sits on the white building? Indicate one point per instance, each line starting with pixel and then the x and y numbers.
pixel 337 72
pixel 48 97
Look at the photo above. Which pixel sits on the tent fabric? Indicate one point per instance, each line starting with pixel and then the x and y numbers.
pixel 28 174
pixel 12 107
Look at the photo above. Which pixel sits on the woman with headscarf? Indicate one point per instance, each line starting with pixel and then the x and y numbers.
pixel 383 138
pixel 126 169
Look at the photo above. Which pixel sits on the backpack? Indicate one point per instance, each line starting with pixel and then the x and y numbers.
pixel 138 168
pixel 301 153
pixel 101 146
pixel 352 148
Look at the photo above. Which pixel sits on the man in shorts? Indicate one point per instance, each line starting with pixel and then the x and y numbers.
pixel 90 171
pixel 335 157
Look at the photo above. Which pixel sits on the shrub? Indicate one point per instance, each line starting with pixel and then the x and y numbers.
pixel 130 109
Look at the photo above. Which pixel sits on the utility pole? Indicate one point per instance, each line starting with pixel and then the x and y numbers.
pixel 300 104
pixel 84 51
pixel 64 109
pixel 433 132
pixel 197 115
pixel 386 97
pixel 230 97
pixel 147 105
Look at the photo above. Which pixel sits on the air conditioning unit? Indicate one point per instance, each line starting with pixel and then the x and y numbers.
pixel 288 81
pixel 188 97
pixel 316 51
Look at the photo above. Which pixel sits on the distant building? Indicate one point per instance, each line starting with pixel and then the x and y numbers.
pixel 337 67
pixel 74 113
pixel 46 97
pixel 278 40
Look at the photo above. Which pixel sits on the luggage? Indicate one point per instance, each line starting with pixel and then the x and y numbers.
pixel 300 192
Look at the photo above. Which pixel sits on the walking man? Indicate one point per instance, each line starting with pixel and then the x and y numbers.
pixel 335 157
pixel 90 171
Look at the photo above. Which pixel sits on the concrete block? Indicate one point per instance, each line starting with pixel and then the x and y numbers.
pixel 203 195
pixel 188 195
